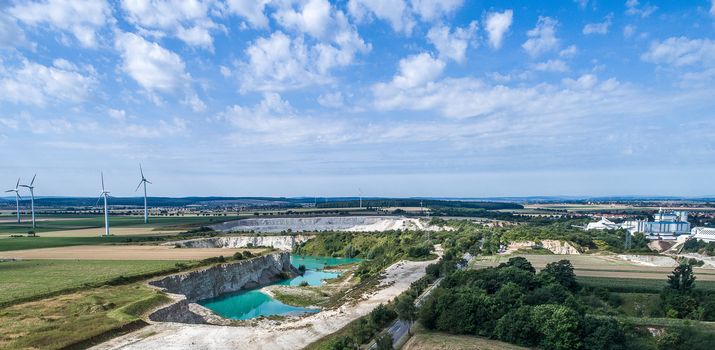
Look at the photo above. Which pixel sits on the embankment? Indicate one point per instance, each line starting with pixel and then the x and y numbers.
pixel 287 242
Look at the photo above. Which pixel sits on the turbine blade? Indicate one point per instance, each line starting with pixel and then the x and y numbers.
pixel 141 170
pixel 18 182
pixel 33 180
pixel 147 181
pixel 9 191
pixel 99 199
pixel 140 185
pixel 102 173
pixel 25 186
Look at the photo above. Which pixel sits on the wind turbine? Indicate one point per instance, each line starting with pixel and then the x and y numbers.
pixel 31 187
pixel 104 195
pixel 360 191
pixel 17 198
pixel 144 181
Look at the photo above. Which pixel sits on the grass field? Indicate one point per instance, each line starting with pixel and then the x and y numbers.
pixel 635 285
pixel 67 223
pixel 123 252
pixel 441 341
pixel 28 279
pixel 64 320
pixel 17 243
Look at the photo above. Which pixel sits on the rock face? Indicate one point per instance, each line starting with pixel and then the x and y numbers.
pixel 316 224
pixel 278 242
pixel 188 287
pixel 650 260
pixel 556 247
pixel 230 277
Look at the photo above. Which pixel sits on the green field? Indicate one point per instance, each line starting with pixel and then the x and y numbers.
pixel 17 243
pixel 32 279
pixel 57 322
pixel 632 285
pixel 63 223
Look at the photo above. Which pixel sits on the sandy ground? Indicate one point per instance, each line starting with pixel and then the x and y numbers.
pixel 598 266
pixel 119 231
pixel 121 252
pixel 269 334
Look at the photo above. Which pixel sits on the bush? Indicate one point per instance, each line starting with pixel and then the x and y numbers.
pixel 247 254
pixel 238 256
pixel 304 284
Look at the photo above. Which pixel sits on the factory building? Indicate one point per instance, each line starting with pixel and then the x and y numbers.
pixel 665 225
pixel 706 234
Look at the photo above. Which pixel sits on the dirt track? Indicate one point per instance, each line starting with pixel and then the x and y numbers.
pixel 121 252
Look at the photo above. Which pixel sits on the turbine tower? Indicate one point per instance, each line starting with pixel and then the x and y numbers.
pixel 360 191
pixel 17 198
pixel 144 181
pixel 31 187
pixel 104 195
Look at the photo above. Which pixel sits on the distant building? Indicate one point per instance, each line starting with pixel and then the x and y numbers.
pixel 665 225
pixel 706 234
pixel 603 224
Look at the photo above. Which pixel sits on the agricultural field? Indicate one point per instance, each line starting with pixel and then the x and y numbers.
pixel 123 252
pixel 60 321
pixel 442 341
pixel 32 279
pixel 61 224
pixel 598 267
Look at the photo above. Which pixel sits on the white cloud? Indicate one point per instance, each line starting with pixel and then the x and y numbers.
pixel 313 17
pixel 452 44
pixel 681 52
pixel 163 128
pixel 251 10
pixel 331 100
pixel 712 7
pixel 414 71
pixel 280 62
pixel 186 19
pixel 82 19
pixel 35 84
pixel 552 66
pixel 568 52
pixel 633 8
pixel 599 28
pixel 396 12
pixel 273 121
pixel 431 10
pixel 629 30
pixel 542 38
pixel 498 24
pixel 11 36
pixel 469 97
pixel 8 123
pixel 155 68
pixel 581 3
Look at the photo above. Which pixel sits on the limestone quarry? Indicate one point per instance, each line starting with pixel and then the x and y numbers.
pixel 318 224
pixel 285 242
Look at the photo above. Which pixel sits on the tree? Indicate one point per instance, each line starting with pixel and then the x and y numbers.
pixel 599 333
pixel 519 262
pixel 405 308
pixel 562 273
pixel 558 326
pixel 516 327
pixel 384 342
pixel 682 279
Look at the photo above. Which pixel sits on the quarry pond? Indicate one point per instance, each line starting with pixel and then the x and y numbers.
pixel 249 304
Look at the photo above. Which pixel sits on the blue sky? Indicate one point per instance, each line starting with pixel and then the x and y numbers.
pixel 397 97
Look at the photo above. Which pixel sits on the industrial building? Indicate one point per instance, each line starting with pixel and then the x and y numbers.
pixel 706 234
pixel 665 225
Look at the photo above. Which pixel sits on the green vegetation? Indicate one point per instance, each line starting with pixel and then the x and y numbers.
pixel 552 310
pixel 424 340
pixel 698 246
pixel 18 243
pixel 634 285
pixel 379 249
pixel 32 279
pixel 57 322
pixel 301 297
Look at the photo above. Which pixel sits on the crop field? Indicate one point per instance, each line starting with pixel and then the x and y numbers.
pixel 441 341
pixel 123 252
pixel 17 243
pixel 69 223
pixel 599 267
pixel 57 322
pixel 29 279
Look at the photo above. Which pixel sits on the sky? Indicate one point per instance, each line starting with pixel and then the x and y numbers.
pixel 451 98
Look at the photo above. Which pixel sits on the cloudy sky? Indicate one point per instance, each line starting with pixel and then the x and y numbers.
pixel 460 98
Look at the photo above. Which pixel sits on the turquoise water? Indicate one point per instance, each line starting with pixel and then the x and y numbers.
pixel 313 277
pixel 250 304
pixel 319 262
